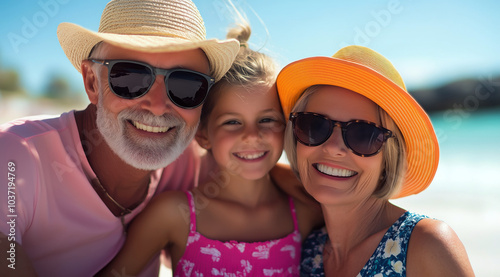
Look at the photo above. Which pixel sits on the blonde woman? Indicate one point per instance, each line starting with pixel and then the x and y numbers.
pixel 356 139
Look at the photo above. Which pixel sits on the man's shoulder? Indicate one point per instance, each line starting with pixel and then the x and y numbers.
pixel 33 126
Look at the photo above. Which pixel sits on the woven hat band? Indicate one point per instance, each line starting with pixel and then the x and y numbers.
pixel 372 60
pixel 179 19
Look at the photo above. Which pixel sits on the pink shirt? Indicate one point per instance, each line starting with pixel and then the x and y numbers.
pixel 57 216
pixel 207 257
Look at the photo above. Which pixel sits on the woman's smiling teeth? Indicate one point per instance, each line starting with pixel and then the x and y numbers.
pixel 250 156
pixel 335 172
pixel 150 129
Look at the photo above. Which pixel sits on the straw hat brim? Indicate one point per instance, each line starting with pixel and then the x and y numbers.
pixel 415 125
pixel 77 42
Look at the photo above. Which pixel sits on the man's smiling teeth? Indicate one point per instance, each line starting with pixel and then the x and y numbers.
pixel 252 156
pixel 150 129
pixel 337 172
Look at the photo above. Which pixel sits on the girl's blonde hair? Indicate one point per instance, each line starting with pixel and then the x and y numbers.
pixel 250 69
pixel 394 151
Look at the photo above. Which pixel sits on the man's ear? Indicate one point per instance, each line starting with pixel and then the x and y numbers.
pixel 90 81
pixel 202 138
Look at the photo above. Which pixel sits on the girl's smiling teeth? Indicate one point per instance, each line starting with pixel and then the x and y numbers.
pixel 335 172
pixel 250 156
pixel 148 128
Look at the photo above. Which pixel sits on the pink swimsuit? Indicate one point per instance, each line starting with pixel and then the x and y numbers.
pixel 207 257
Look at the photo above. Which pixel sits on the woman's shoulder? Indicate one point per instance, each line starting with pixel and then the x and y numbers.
pixel 436 250
pixel 430 231
pixel 433 234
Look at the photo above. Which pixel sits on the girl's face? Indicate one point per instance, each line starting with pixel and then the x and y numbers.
pixel 330 172
pixel 245 131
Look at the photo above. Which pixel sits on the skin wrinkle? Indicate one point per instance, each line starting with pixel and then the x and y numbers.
pixel 115 121
pixel 364 183
pixel 143 153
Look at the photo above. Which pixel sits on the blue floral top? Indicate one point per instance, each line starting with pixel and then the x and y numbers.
pixel 388 260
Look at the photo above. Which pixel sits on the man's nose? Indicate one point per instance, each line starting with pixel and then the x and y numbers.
pixel 156 99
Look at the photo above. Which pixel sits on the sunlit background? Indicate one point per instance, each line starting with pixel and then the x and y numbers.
pixel 446 51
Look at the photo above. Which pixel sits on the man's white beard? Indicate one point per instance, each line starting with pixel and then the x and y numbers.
pixel 138 151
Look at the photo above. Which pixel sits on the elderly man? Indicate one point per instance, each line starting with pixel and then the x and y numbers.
pixel 70 184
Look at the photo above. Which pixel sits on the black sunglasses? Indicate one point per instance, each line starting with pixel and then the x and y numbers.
pixel 186 88
pixel 363 138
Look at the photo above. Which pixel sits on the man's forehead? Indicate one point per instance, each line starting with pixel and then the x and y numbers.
pixel 106 48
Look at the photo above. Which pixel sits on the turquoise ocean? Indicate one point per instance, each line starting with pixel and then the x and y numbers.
pixel 465 192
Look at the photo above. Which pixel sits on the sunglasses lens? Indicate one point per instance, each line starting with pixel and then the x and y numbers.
pixel 364 138
pixel 130 80
pixel 187 89
pixel 311 129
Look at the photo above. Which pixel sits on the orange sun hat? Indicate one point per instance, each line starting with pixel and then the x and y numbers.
pixel 370 74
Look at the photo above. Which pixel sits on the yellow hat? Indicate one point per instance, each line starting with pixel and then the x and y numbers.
pixel 368 73
pixel 149 26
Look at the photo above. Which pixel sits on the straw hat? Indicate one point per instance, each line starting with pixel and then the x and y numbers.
pixel 149 26
pixel 368 73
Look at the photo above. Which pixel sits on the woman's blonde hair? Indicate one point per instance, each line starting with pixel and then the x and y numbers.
pixel 250 69
pixel 394 151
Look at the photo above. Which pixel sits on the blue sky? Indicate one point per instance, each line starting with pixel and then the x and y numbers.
pixel 429 42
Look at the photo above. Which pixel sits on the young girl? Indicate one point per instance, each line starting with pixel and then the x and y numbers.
pixel 239 223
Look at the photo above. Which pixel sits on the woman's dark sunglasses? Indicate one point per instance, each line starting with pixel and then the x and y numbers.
pixel 363 138
pixel 130 80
